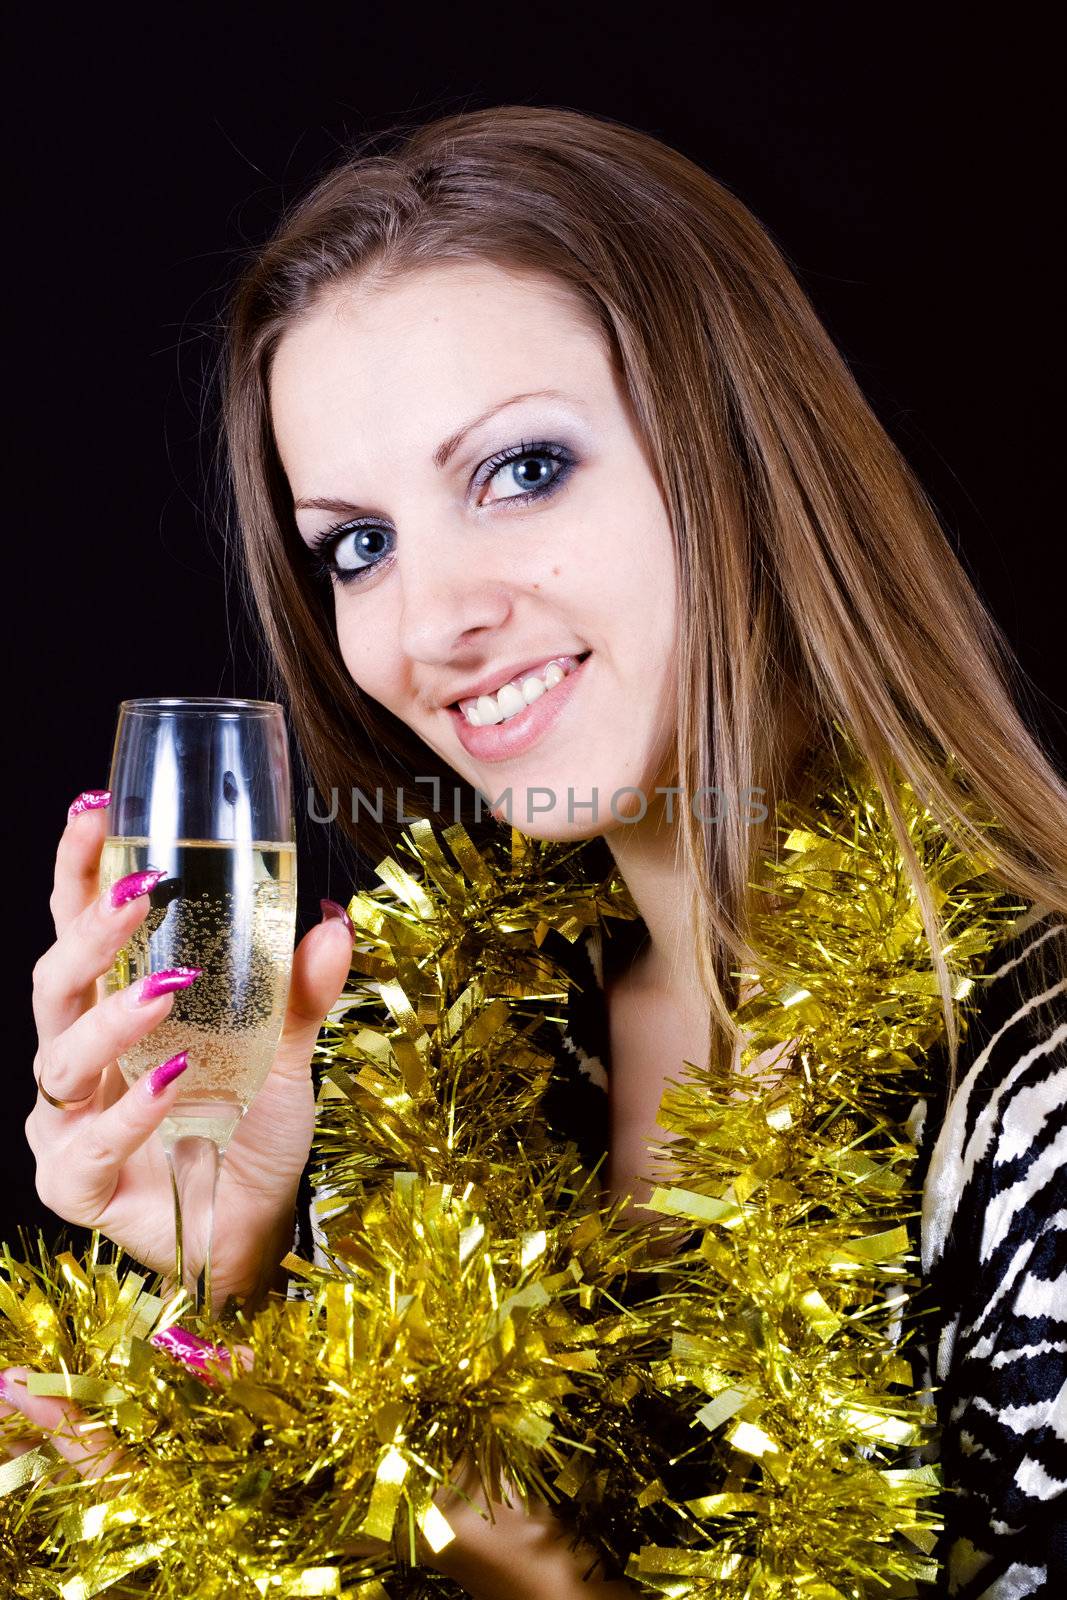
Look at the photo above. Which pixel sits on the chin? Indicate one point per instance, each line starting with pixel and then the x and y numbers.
pixel 553 822
pixel 556 831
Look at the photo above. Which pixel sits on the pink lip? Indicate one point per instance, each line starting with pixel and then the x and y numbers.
pixel 504 740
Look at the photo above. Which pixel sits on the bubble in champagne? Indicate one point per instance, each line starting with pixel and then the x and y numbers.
pixel 229 909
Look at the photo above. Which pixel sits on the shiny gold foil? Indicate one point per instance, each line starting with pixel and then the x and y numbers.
pixel 734 1418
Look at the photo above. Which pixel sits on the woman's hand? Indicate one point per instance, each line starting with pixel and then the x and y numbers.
pixel 97 1165
pixel 92 1452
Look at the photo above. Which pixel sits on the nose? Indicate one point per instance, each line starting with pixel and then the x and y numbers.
pixel 449 599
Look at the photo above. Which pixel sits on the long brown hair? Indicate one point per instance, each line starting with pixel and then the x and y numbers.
pixel 813 571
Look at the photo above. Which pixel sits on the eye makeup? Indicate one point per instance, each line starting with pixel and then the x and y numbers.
pixel 322 546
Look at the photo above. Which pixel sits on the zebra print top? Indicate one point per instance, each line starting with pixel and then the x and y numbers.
pixel 993 1243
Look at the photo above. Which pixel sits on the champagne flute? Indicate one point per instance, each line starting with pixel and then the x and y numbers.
pixel 201 788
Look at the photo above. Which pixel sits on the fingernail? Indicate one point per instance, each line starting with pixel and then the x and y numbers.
pixel 167 1072
pixel 134 884
pixel 88 800
pixel 7 1386
pixel 188 1348
pixel 330 909
pixel 154 984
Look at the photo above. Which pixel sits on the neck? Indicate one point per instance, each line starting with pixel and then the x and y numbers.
pixel 644 853
pixel 647 857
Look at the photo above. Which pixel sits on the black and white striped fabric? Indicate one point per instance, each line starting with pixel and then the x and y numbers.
pixel 994 1253
pixel 993 1166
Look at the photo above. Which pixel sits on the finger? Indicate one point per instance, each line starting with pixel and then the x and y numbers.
pixel 92 1450
pixel 79 1183
pixel 201 1355
pixel 321 964
pixel 71 1067
pixel 78 857
pixel 65 975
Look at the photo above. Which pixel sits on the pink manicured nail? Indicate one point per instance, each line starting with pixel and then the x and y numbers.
pixel 7 1386
pixel 134 884
pixel 154 984
pixel 330 908
pixel 167 1072
pixel 192 1351
pixel 88 800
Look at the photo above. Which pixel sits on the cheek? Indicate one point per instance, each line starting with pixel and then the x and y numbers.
pixel 640 597
pixel 368 654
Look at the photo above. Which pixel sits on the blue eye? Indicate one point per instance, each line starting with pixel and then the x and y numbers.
pixel 349 551
pixel 520 456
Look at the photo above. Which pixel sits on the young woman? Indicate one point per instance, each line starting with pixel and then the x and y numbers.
pixel 531 388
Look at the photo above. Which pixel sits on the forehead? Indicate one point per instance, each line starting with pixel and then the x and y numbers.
pixel 410 359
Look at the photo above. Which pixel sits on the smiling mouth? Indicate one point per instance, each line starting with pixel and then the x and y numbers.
pixel 516 695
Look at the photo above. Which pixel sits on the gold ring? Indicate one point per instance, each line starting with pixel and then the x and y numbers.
pixel 62 1105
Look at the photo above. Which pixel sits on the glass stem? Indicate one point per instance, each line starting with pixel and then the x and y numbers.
pixel 195 1163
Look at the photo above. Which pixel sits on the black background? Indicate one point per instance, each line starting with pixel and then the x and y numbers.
pixel 902 161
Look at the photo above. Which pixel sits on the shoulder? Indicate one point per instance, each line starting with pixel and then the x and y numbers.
pixel 1004 1124
pixel 995 1252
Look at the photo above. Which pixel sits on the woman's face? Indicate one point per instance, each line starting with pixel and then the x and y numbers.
pixel 474 536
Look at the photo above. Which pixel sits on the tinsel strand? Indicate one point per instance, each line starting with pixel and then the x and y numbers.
pixel 735 1417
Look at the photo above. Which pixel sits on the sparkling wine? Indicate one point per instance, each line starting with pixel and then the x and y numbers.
pixel 231 910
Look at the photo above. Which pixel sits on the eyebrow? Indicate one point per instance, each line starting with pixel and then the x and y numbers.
pixel 448 447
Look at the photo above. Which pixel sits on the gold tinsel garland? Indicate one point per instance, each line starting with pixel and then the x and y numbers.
pixel 736 1418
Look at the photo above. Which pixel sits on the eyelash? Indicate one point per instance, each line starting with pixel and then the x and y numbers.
pixel 322 544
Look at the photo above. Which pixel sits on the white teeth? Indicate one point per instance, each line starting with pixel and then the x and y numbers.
pixel 511 698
